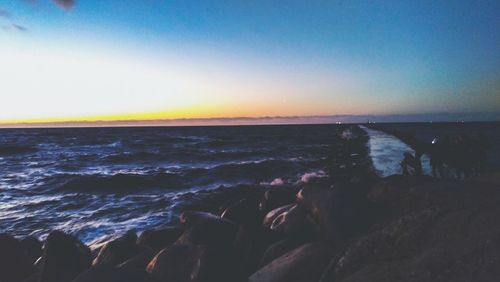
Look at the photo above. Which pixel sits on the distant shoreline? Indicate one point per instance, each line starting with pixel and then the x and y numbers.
pixel 267 120
pixel 123 124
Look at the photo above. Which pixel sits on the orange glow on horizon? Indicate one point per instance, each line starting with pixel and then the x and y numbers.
pixel 194 112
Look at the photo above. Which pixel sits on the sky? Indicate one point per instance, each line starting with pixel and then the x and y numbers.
pixel 104 60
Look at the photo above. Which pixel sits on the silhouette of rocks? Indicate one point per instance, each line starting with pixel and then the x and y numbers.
pixel 108 273
pixel 159 238
pixel 293 221
pixel 244 211
pixel 280 248
pixel 33 248
pixel 442 231
pixel 277 197
pixel 15 263
pixel 303 264
pixel 64 257
pixel 139 262
pixel 118 250
pixel 273 214
pixel 206 229
pixel 193 263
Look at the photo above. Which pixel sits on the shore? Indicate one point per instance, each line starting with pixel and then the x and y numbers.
pixel 397 228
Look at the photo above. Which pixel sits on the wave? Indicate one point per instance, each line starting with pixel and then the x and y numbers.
pixel 132 157
pixel 115 183
pixel 14 149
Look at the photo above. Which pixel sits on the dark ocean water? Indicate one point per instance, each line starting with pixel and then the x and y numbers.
pixel 98 182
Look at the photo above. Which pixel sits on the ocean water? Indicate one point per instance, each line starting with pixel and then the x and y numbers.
pixel 386 153
pixel 99 182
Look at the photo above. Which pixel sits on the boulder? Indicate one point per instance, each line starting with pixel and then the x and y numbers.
pixel 447 231
pixel 63 258
pixel 109 273
pixel 294 221
pixel 182 263
pixel 159 238
pixel 271 215
pixel 118 250
pixel 15 263
pixel 245 211
pixel 338 212
pixel 32 247
pixel 280 248
pixel 140 261
pixel 206 229
pixel 303 264
pixel 277 197
pixel 250 244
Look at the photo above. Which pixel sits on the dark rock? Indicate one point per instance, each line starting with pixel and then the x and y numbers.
pixel 277 197
pixel 320 202
pixel 244 211
pixel 193 263
pixel 118 250
pixel 140 261
pixel 293 221
pixel 33 248
pixel 280 248
pixel 250 244
pixel 398 194
pixel 109 273
pixel 206 229
pixel 303 264
pixel 448 231
pixel 338 212
pixel 64 257
pixel 159 238
pixel 273 214
pixel 15 264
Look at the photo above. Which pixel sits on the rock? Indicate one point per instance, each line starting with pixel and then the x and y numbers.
pixel 118 250
pixel 250 244
pixel 64 257
pixel 109 273
pixel 193 263
pixel 140 261
pixel 448 231
pixel 271 215
pixel 244 211
pixel 339 212
pixel 15 263
pixel 277 197
pixel 397 194
pixel 293 221
pixel 32 247
pixel 320 202
pixel 159 238
pixel 206 229
pixel 280 248
pixel 303 264
pixel 177 263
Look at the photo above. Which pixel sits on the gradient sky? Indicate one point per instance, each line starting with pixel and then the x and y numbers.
pixel 151 59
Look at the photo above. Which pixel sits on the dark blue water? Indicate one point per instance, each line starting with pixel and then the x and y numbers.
pixel 98 182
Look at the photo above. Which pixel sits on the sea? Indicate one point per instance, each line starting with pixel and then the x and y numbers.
pixel 97 183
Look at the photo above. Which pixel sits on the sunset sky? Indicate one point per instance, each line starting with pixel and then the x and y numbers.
pixel 150 59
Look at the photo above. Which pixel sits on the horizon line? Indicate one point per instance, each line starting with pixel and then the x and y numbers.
pixel 266 120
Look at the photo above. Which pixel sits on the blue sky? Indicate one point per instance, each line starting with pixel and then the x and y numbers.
pixel 248 58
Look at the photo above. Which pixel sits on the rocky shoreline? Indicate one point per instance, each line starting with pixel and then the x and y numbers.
pixel 400 228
